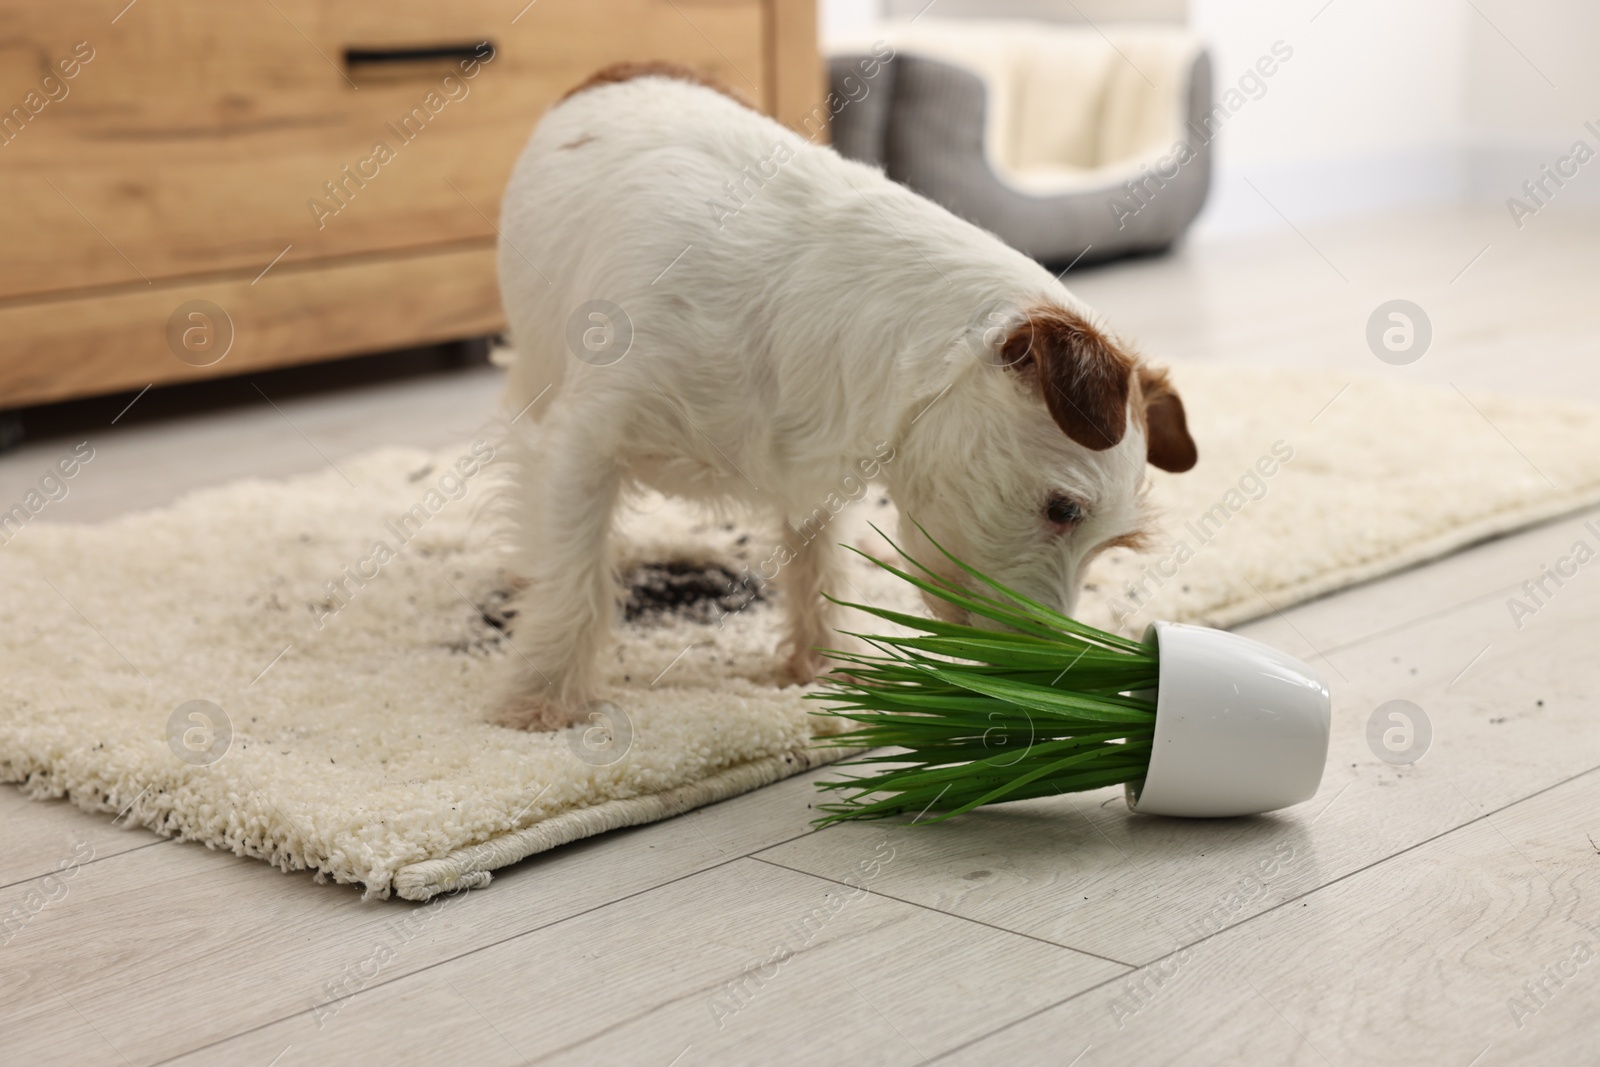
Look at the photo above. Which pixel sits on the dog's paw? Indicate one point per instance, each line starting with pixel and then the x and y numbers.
pixel 532 711
pixel 801 668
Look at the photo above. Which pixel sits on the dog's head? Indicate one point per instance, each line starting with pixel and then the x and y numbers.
pixel 1033 461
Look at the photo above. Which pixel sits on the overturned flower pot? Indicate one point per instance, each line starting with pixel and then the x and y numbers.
pixel 1191 721
pixel 1241 727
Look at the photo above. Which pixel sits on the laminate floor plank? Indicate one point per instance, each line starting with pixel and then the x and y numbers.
pixel 1481 947
pixel 53 837
pixel 746 963
pixel 172 948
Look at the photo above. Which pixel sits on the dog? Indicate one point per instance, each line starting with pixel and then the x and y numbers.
pixel 703 303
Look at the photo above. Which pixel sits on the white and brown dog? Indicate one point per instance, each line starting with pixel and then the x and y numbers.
pixel 705 304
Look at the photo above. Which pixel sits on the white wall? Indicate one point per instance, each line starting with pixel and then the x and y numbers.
pixel 1516 119
pixel 847 20
pixel 1398 104
pixel 1367 115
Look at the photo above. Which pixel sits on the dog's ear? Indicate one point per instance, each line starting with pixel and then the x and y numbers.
pixel 1083 378
pixel 1171 447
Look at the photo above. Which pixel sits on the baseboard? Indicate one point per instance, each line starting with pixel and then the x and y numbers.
pixel 1254 197
pixel 1497 172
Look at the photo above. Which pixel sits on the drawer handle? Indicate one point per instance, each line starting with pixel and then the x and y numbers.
pixel 483 51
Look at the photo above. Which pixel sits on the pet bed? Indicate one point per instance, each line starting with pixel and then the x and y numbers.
pixel 1061 140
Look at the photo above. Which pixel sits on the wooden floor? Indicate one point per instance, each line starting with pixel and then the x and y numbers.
pixel 1446 912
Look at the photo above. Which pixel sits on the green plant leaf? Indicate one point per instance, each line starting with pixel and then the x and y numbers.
pixel 968 715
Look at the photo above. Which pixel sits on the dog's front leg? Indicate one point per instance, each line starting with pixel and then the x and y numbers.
pixel 813 569
pixel 566 612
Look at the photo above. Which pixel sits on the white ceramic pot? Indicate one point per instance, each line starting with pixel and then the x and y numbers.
pixel 1241 728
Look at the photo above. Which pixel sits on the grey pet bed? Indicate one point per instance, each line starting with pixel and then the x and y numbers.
pixel 923 119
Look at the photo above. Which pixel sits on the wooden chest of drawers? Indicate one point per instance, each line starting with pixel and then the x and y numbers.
pixel 279 181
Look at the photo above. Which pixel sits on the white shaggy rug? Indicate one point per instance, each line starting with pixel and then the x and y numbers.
pixel 359 747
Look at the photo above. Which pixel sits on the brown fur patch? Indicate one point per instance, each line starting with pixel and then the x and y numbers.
pixel 1086 380
pixel 623 72
pixel 1166 426
pixel 579 142
pixel 1137 541
pixel 1082 375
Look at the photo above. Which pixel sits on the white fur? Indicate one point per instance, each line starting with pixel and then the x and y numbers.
pixel 835 313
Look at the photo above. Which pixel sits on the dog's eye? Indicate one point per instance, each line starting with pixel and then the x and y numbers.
pixel 1062 511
